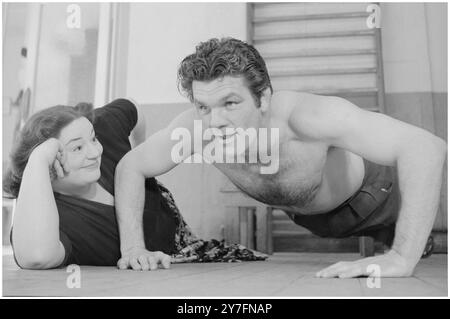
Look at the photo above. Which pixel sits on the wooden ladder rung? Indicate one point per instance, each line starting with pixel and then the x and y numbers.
pixel 279 233
pixel 318 53
pixel 343 15
pixel 337 34
pixel 323 72
pixel 346 92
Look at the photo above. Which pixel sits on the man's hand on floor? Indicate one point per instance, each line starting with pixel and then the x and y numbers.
pixel 390 264
pixel 142 259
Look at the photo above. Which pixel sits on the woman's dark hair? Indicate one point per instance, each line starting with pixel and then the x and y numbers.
pixel 39 128
pixel 220 57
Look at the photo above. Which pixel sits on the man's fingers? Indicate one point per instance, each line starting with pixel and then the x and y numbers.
pixel 325 270
pixel 332 271
pixel 165 261
pixel 123 263
pixel 134 264
pixel 143 262
pixel 352 272
pixel 152 262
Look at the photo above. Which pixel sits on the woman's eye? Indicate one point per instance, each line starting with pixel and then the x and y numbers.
pixel 77 149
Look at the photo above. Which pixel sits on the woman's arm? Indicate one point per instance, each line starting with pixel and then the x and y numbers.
pixel 36 221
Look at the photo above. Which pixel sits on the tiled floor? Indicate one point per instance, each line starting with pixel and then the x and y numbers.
pixel 283 274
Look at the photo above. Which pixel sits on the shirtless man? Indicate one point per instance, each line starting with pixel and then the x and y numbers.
pixel 334 173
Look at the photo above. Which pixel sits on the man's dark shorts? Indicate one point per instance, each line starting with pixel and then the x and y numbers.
pixel 371 211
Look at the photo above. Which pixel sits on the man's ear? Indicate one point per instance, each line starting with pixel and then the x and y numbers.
pixel 265 100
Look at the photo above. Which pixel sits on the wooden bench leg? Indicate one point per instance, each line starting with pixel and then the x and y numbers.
pixel 264 229
pixel 366 246
pixel 240 226
pixel 249 226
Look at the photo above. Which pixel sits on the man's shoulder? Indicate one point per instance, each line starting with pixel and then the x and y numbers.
pixel 292 105
pixel 305 114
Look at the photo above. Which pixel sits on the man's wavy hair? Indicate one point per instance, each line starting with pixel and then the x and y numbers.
pixel 217 58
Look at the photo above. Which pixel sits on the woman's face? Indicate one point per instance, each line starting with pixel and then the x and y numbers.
pixel 83 152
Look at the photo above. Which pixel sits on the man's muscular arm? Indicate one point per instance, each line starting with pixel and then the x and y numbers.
pixel 149 159
pixel 419 157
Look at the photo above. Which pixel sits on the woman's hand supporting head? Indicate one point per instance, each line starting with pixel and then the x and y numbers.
pixel 52 153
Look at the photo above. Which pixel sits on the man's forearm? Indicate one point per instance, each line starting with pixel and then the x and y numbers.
pixel 420 178
pixel 129 200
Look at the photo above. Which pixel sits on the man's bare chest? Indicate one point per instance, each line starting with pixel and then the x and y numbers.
pixel 294 184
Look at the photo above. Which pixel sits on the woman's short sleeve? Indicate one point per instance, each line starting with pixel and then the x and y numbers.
pixel 119 116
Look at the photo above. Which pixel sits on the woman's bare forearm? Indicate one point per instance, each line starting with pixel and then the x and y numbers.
pixel 36 221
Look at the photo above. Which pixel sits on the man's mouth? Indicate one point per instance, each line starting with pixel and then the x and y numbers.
pixel 226 138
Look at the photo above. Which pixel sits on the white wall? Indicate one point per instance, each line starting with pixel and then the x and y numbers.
pixel 162 34
pixel 59 48
pixel 414 39
pixel 436 16
pixel 13 40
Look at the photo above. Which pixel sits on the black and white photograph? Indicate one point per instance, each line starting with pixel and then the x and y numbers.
pixel 224 150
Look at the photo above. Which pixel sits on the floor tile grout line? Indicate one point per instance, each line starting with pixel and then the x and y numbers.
pixel 363 290
pixel 234 278
pixel 273 293
pixel 292 282
pixel 181 277
pixel 268 269
pixel 429 283
pixel 176 277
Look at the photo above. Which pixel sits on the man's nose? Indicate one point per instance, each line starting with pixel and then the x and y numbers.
pixel 217 119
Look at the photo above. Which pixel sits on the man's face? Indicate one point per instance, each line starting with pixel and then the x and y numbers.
pixel 226 103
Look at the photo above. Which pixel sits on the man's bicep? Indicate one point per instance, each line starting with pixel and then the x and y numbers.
pixel 374 136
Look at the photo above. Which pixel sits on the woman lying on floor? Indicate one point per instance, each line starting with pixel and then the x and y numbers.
pixel 62 174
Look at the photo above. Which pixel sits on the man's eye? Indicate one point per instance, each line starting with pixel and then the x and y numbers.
pixel 203 108
pixel 77 148
pixel 230 104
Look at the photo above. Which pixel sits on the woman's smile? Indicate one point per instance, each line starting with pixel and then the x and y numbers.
pixel 92 166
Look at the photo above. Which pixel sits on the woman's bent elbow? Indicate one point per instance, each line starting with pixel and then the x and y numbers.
pixel 37 261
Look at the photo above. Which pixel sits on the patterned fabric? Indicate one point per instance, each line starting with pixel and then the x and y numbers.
pixel 190 248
